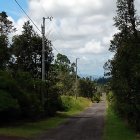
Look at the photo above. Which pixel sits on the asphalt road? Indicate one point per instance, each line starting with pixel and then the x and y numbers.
pixel 89 125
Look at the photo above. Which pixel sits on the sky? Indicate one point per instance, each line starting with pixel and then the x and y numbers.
pixel 79 29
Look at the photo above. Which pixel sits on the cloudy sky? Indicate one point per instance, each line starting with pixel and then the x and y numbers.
pixel 79 29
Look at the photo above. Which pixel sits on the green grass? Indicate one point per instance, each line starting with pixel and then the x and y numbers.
pixel 33 129
pixel 116 129
pixel 73 104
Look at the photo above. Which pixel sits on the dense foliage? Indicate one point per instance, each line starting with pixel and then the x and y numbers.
pixel 87 88
pixel 23 95
pixel 124 69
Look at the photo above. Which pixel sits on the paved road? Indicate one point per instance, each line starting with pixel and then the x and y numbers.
pixel 88 125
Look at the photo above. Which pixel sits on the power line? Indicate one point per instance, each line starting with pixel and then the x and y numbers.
pixel 59 34
pixel 27 16
pixel 55 49
pixel 79 71
pixel 37 26
pixel 53 46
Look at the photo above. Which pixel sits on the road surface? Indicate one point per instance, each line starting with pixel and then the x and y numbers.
pixel 89 125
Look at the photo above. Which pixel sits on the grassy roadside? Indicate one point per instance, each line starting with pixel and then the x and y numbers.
pixel 32 129
pixel 116 129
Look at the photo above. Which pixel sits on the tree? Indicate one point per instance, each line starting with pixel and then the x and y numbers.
pixel 62 74
pixel 124 67
pixel 6 27
pixel 27 49
pixel 86 88
pixel 126 20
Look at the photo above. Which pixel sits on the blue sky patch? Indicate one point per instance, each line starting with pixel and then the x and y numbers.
pixel 12 9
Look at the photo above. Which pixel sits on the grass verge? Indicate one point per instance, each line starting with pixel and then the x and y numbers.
pixel 33 129
pixel 116 129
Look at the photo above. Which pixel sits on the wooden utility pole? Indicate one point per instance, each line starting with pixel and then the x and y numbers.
pixel 76 80
pixel 43 47
pixel 43 53
pixel 43 50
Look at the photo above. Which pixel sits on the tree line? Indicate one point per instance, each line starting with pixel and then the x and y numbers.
pixel 23 95
pixel 124 68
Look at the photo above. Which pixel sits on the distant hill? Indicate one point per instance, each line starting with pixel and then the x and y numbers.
pixel 102 80
pixel 93 77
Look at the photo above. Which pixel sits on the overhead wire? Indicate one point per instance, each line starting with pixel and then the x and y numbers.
pixel 79 71
pixel 27 15
pixel 39 29
pixel 54 26
pixel 32 21
pixel 58 33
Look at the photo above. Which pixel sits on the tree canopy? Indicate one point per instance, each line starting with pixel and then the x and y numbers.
pixel 124 67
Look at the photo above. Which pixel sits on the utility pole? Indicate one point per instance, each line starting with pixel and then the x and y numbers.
pixel 43 54
pixel 43 50
pixel 43 47
pixel 76 79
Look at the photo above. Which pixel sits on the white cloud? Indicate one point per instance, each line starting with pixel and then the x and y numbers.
pixel 80 28
pixel 92 47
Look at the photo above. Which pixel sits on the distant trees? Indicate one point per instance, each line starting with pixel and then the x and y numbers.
pixel 102 80
pixel 64 73
pixel 87 88
pixel 124 69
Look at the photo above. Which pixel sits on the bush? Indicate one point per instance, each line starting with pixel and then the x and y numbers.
pixel 96 97
pixel 53 101
pixel 17 96
pixel 7 83
pixel 22 95
pixel 9 107
pixel 71 103
pixel 109 97
pixel 67 102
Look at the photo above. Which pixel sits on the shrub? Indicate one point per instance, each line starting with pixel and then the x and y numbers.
pixel 96 97
pixel 52 100
pixel 71 103
pixel 109 97
pixel 9 107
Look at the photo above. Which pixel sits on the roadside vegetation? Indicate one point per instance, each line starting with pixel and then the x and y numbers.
pixel 124 68
pixel 116 128
pixel 29 105
pixel 23 94
pixel 71 107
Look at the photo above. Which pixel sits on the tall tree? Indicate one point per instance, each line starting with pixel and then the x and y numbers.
pixel 6 27
pixel 27 49
pixel 124 67
pixel 86 88
pixel 63 74
pixel 126 20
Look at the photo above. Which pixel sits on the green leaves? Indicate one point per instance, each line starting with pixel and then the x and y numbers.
pixel 7 101
pixel 6 26
pixel 124 67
